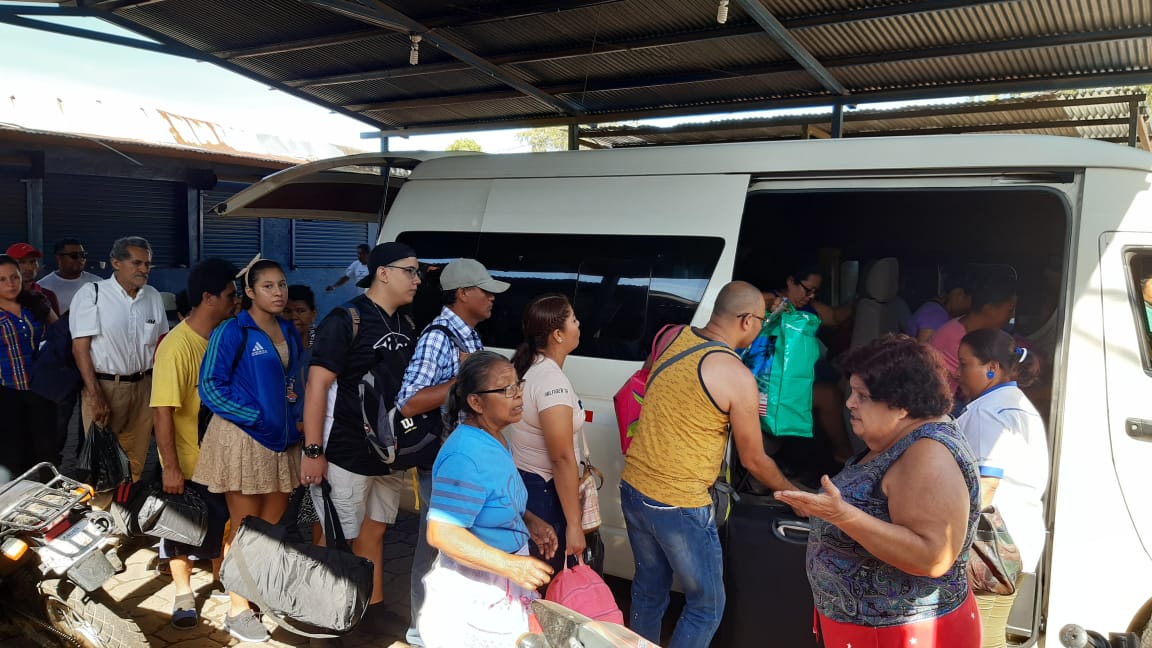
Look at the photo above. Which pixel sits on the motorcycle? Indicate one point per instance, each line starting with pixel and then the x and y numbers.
pixel 53 566
pixel 560 627
pixel 1073 636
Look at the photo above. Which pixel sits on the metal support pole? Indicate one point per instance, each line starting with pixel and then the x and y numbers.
pixel 837 129
pixel 34 200
pixel 383 143
pixel 573 137
pixel 195 225
pixel 1133 121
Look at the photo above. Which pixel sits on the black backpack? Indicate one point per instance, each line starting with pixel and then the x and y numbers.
pixel 399 442
pixel 55 375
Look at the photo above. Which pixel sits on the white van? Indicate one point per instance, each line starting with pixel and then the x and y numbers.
pixel 643 237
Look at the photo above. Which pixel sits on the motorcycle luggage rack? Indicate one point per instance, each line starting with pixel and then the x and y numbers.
pixel 42 504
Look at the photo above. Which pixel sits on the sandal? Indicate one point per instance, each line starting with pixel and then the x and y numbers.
pixel 184 615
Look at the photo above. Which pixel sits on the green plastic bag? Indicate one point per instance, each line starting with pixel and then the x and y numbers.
pixel 786 385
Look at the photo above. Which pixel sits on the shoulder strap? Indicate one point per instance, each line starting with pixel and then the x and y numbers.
pixel 96 287
pixel 451 335
pixel 683 354
pixel 354 313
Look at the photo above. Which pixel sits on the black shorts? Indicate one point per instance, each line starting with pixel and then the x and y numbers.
pixel 213 538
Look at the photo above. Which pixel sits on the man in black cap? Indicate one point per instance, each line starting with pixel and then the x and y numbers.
pixel 366 334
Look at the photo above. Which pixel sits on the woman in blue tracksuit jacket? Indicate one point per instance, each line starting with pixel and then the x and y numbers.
pixel 250 451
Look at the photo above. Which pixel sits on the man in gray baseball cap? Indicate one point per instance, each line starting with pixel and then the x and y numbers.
pixel 468 293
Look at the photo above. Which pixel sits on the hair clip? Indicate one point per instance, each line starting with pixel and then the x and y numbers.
pixel 1023 354
pixel 240 275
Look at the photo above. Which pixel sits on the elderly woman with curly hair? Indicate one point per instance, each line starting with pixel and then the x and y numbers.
pixel 890 533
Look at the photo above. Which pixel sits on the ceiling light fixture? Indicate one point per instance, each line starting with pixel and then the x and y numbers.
pixel 414 53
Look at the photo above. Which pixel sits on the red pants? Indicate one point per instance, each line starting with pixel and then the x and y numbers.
pixel 957 629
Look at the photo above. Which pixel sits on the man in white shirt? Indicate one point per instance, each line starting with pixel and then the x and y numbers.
pixel 116 324
pixel 356 271
pixel 69 275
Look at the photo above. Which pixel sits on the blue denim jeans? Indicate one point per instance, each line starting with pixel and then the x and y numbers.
pixel 666 541
pixel 422 557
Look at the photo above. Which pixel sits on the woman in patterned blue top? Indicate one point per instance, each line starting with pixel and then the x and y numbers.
pixel 890 533
pixel 29 419
pixel 478 590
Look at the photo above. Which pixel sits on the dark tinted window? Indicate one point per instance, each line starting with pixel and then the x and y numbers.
pixel 624 288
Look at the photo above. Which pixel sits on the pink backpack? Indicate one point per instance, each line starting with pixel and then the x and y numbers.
pixel 581 589
pixel 630 398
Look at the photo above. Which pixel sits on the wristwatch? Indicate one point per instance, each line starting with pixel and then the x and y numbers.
pixel 313 450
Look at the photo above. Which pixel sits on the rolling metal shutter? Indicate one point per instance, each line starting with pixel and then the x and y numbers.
pixel 13 212
pixel 234 239
pixel 100 210
pixel 325 244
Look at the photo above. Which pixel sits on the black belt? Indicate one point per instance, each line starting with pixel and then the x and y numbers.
pixel 136 377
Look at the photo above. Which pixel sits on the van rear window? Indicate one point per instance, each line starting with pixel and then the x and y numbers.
pixel 624 288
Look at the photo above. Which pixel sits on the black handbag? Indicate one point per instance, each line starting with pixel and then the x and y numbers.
pixel 180 518
pixel 294 581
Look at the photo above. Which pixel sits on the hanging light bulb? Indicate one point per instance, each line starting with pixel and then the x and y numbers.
pixel 722 12
pixel 414 53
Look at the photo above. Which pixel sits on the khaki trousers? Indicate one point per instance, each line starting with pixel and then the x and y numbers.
pixel 130 418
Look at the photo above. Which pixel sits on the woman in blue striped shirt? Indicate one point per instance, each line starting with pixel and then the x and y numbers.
pixel 28 436
pixel 478 590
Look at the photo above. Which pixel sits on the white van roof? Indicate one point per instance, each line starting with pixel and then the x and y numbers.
pixel 984 152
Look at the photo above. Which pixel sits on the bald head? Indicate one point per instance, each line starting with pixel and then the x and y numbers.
pixel 739 297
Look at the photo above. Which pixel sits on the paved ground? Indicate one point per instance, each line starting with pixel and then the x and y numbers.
pixel 147 596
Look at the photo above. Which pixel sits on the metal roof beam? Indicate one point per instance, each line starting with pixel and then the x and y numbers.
pixel 532 56
pixel 1072 82
pixel 630 83
pixel 779 33
pixel 382 15
pixel 11 18
pixel 281 47
pixel 117 5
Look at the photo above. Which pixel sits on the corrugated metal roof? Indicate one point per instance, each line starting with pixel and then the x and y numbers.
pixel 492 63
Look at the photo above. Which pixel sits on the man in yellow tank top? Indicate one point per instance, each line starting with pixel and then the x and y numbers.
pixel 676 455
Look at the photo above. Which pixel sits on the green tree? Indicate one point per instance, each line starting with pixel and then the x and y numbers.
pixel 465 144
pixel 551 138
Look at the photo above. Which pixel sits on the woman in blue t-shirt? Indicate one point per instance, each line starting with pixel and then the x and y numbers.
pixel 479 589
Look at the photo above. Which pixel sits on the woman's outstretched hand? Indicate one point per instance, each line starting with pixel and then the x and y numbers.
pixel 825 504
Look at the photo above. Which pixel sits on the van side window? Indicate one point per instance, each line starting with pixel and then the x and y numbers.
pixel 1140 265
pixel 623 288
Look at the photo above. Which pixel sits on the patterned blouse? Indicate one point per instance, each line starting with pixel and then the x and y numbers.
pixel 849 584
pixel 20 337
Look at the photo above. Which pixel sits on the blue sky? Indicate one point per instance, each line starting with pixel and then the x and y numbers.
pixel 34 62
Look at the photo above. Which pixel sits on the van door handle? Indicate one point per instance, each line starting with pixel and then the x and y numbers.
pixel 792 531
pixel 1139 429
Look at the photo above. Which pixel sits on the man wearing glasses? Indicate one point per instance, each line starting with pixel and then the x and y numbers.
pixel 70 274
pixel 468 292
pixel 366 335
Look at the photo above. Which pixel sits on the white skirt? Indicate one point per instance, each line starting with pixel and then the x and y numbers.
pixel 472 608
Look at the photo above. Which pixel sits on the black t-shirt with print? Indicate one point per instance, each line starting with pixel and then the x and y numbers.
pixel 383 345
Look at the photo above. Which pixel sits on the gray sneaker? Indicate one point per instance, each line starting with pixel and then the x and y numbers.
pixel 246 627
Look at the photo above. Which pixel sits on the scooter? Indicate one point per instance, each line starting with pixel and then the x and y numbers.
pixel 53 567
pixel 560 627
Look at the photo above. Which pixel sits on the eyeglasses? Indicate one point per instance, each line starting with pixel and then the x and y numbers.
pixel 763 320
pixel 414 272
pixel 808 290
pixel 509 391
pixel 74 255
